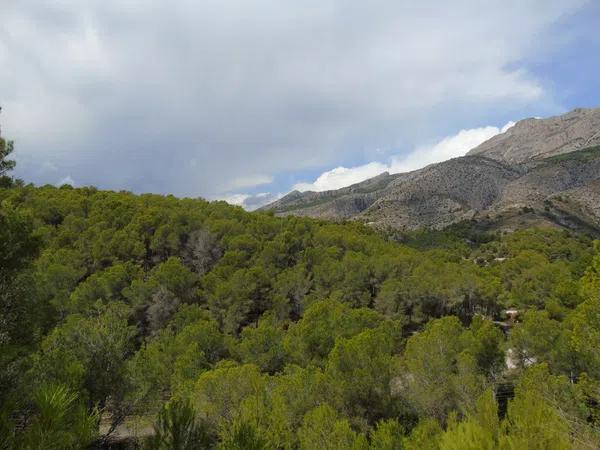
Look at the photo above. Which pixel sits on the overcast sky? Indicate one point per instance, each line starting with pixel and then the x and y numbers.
pixel 247 100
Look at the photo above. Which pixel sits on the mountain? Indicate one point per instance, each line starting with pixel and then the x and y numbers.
pixel 534 139
pixel 540 171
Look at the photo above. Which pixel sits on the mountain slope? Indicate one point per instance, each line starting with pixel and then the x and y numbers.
pixel 533 139
pixel 341 203
pixel 535 166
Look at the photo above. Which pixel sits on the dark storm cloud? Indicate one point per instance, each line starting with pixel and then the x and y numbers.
pixel 216 97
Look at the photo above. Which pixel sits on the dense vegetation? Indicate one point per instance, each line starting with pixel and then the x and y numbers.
pixel 206 326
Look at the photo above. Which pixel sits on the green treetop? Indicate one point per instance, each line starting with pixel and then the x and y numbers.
pixel 6 148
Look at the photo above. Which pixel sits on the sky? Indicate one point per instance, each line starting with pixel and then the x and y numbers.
pixel 246 101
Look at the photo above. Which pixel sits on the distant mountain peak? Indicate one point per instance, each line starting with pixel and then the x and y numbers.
pixel 532 139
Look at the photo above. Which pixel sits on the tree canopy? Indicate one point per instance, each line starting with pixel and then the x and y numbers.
pixel 218 328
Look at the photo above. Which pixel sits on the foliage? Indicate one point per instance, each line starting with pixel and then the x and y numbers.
pixel 244 330
pixel 388 435
pixel 323 429
pixel 178 428
pixel 359 370
pixel 6 165
pixel 59 421
pixel 443 374
pixel 242 436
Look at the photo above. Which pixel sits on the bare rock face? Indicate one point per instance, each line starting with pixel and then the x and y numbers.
pixel 548 166
pixel 440 194
pixel 586 198
pixel 534 139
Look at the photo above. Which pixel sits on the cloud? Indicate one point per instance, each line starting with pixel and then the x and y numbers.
pixel 235 199
pixel 342 176
pixel 251 202
pixel 66 180
pixel 447 148
pixel 509 125
pixel 211 97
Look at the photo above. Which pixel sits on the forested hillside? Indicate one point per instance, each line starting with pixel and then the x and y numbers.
pixel 199 325
pixel 152 322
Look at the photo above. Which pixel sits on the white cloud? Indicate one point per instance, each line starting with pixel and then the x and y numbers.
pixel 235 199
pixel 509 125
pixel 66 180
pixel 251 202
pixel 447 148
pixel 342 176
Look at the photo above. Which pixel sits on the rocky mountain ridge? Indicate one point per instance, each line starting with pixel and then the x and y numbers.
pixel 545 170
pixel 534 139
